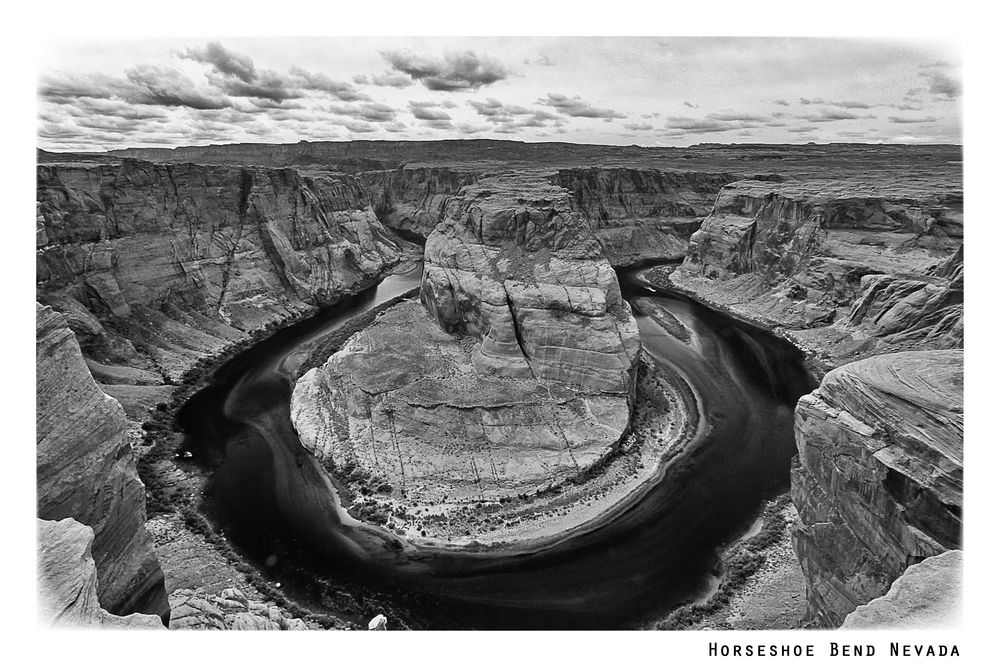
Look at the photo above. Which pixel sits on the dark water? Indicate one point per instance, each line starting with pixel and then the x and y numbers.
pixel 279 508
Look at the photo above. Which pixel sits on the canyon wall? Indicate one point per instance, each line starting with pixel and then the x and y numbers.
pixel 158 266
pixel 844 268
pixel 641 214
pixel 878 478
pixel 86 471
pixel 413 201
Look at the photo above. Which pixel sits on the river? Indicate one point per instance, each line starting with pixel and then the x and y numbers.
pixel 280 509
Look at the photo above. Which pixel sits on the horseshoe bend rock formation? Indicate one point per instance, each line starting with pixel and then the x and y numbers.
pixel 156 265
pixel 878 479
pixel 515 267
pixel 847 268
pixel 86 471
pixel 518 375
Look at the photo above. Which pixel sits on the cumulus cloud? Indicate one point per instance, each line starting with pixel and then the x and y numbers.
pixel 781 103
pixel 578 108
pixel 508 118
pixel 689 105
pixel 427 111
pixel 457 71
pixel 944 84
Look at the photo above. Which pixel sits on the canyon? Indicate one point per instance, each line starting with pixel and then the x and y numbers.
pixel 515 377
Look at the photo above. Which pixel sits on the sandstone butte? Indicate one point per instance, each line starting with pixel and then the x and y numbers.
pixel 157 266
pixel 515 374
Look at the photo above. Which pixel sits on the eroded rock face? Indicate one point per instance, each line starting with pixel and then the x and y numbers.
pixel 67 581
pixel 156 266
pixel 849 268
pixel 86 471
pixel 413 201
pixel 641 214
pixel 927 595
pixel 404 401
pixel 515 267
pixel 878 478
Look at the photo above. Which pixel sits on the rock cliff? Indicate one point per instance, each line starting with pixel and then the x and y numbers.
pixel 86 470
pixel 67 581
pixel 157 266
pixel 412 201
pixel 878 477
pixel 641 214
pixel 927 595
pixel 847 268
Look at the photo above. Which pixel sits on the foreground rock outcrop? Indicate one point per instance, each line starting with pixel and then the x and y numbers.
pixel 878 478
pixel 68 582
pixel 927 595
pixel 86 471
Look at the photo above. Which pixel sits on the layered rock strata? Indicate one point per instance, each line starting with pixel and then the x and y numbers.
pixel 878 478
pixel 515 267
pixel 86 471
pixel 67 581
pixel 641 214
pixel 927 595
pixel 517 376
pixel 412 201
pixel 157 266
pixel 846 268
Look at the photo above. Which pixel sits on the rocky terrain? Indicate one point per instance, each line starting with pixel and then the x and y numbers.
pixel 878 481
pixel 86 471
pixel 153 262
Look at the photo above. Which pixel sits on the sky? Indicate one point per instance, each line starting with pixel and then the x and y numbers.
pixel 661 91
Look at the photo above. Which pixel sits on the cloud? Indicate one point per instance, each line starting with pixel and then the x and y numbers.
pixel 386 79
pixel 738 117
pixel 848 104
pixel 508 118
pixel 367 111
pixel 831 115
pixel 689 105
pixel 457 71
pixel 638 126
pixel 920 119
pixel 781 103
pixel 143 84
pixel 427 111
pixel 227 63
pixel 542 61
pixel 944 84
pixel 235 74
pixel 577 107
